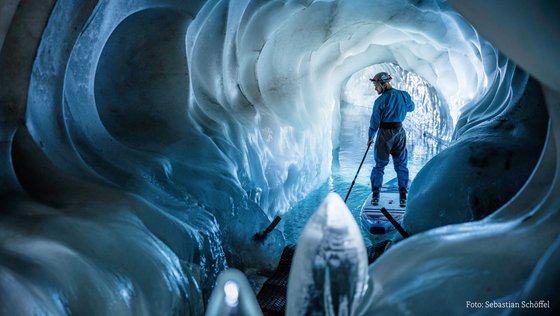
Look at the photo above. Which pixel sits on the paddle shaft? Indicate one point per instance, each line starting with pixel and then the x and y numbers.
pixel 356 176
pixel 396 224
pixel 262 236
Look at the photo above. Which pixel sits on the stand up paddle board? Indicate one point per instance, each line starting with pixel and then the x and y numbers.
pixel 374 221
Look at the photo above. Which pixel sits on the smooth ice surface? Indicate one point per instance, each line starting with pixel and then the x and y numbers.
pixel 329 269
pixel 233 296
pixel 496 154
pixel 144 143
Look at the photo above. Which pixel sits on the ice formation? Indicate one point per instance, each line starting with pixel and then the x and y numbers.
pixel 329 269
pixel 143 144
pixel 490 159
pixel 233 295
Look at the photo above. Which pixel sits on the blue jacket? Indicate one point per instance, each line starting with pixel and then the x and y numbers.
pixel 391 106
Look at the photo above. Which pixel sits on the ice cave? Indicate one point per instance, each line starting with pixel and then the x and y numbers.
pixel 145 143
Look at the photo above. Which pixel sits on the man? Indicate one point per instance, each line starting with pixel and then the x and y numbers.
pixel 389 110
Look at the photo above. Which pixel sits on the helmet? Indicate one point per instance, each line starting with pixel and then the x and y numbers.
pixel 381 77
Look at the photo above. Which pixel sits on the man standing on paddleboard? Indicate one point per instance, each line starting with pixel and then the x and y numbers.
pixel 389 111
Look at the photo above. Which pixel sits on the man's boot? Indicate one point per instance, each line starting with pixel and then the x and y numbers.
pixel 375 196
pixel 402 197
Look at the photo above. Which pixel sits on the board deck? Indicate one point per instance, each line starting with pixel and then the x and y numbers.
pixel 374 221
pixel 388 200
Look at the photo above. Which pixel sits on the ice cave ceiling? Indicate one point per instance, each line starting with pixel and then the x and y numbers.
pixel 142 144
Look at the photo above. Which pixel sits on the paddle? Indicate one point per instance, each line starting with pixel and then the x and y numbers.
pixel 360 167
pixel 396 224
pixel 262 236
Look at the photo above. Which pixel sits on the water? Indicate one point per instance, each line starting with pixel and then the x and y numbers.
pixel 353 143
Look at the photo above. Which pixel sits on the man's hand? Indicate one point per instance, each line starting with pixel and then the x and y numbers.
pixel 370 141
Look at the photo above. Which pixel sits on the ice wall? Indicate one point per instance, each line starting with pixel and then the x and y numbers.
pixel 496 146
pixel 506 258
pixel 154 138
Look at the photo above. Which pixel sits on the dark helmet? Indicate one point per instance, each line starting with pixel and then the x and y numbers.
pixel 381 77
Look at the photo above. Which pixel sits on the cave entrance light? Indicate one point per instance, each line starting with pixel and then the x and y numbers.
pixel 429 127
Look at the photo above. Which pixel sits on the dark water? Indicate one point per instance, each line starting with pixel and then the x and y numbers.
pixel 347 158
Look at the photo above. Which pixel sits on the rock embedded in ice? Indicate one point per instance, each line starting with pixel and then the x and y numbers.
pixel 329 269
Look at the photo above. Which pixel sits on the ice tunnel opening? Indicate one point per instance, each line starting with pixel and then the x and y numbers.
pixel 429 131
pixel 429 126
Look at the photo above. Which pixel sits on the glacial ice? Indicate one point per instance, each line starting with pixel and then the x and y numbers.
pixel 329 269
pixel 232 295
pixel 144 143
